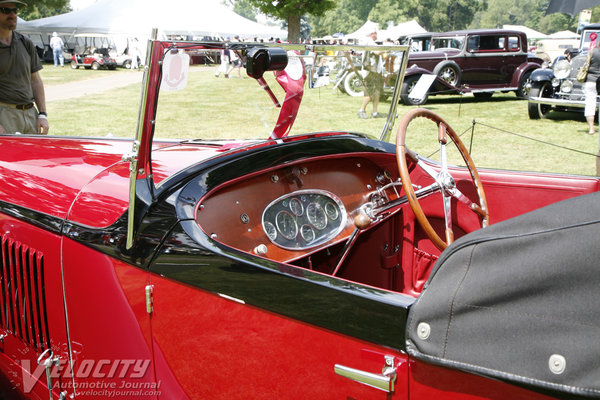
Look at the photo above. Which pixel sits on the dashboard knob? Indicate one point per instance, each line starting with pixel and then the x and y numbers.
pixel 260 250
pixel 362 221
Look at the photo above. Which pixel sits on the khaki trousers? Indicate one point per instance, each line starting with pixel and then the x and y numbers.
pixel 19 121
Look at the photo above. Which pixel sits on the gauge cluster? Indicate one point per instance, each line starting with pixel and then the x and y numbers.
pixel 304 219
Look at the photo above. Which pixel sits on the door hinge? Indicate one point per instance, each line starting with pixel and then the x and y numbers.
pixel 149 300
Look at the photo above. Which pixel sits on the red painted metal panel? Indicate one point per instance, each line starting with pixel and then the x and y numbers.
pixel 221 349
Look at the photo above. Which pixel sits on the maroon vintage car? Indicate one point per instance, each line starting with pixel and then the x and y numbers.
pixel 477 61
pixel 315 264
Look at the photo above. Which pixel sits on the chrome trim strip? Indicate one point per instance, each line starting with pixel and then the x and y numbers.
pixel 557 102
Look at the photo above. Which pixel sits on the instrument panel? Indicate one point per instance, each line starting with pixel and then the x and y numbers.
pixel 304 219
pixel 289 211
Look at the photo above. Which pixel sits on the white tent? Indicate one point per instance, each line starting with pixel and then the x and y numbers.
pixel 361 33
pixel 402 29
pixel 531 33
pixel 564 35
pixel 136 18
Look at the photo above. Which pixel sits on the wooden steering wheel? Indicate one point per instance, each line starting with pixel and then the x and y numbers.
pixel 444 182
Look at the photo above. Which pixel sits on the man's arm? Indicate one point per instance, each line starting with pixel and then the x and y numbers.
pixel 40 101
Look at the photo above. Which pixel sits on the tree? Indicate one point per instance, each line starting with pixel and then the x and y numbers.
pixel 243 8
pixel 44 8
pixel 434 15
pixel 348 16
pixel 292 10
pixel 445 15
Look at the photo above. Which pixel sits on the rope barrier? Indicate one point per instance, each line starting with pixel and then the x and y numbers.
pixel 533 139
pixel 472 130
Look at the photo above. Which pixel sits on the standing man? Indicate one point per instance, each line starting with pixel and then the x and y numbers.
pixel 373 81
pixel 20 81
pixel 57 45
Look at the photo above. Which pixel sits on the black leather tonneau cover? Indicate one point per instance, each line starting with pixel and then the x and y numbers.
pixel 519 301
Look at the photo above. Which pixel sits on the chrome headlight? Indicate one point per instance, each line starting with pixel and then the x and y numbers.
pixel 555 82
pixel 562 69
pixel 566 86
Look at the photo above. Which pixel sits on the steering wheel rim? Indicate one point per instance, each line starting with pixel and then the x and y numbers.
pixel 444 181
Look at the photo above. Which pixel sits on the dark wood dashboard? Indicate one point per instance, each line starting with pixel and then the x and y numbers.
pixel 233 213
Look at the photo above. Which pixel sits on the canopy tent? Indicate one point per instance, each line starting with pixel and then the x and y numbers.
pixel 531 33
pixel 402 29
pixel 136 18
pixel 362 32
pixel 565 35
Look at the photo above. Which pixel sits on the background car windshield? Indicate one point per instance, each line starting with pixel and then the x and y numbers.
pixel 455 42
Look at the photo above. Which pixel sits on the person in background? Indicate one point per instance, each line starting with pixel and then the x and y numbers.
pixel 373 81
pixel 236 61
pixel 224 66
pixel 57 45
pixel 134 53
pixel 20 81
pixel 589 87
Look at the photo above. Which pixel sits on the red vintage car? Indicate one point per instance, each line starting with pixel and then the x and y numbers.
pixel 315 264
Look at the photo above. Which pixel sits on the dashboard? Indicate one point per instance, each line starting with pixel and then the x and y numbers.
pixel 289 211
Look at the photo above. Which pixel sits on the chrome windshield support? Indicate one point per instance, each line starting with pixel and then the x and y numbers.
pixel 389 123
pixel 132 158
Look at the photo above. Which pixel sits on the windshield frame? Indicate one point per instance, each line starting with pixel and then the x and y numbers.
pixel 141 184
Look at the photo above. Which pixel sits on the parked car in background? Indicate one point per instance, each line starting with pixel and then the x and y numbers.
pixel 254 239
pixel 556 87
pixel 550 49
pixel 93 59
pixel 480 62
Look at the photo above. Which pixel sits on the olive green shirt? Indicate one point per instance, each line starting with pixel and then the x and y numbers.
pixel 17 62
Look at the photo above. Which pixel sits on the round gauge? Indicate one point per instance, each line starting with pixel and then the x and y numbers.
pixel 331 210
pixel 296 207
pixel 286 225
pixel 316 215
pixel 270 230
pixel 308 233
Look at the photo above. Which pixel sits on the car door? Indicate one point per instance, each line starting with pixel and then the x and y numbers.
pixel 228 327
pixel 484 62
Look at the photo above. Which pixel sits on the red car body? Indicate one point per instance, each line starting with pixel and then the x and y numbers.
pixel 95 61
pixel 200 304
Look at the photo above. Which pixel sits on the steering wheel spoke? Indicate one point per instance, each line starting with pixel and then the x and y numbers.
pixel 444 182
pixel 457 194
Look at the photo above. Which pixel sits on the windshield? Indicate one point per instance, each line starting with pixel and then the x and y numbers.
pixel 585 38
pixel 454 42
pixel 321 89
pixel 324 93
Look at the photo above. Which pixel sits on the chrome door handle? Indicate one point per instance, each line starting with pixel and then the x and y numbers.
pixel 384 381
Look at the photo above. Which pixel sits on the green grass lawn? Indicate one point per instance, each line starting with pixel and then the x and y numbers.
pixel 52 75
pixel 494 140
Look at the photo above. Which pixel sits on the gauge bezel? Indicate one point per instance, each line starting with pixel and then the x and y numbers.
pixel 321 199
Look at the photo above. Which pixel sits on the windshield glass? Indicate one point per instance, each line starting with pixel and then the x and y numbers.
pixel 454 42
pixel 324 92
pixel 320 89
